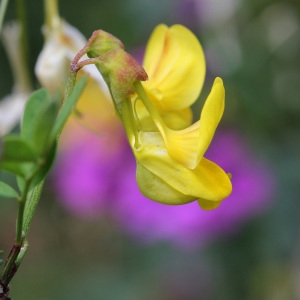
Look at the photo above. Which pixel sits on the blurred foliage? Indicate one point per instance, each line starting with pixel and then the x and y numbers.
pixel 257 53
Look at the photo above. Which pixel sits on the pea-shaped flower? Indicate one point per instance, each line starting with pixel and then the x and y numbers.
pixel 156 114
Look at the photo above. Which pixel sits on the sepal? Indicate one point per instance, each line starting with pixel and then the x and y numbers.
pixel 101 42
pixel 120 70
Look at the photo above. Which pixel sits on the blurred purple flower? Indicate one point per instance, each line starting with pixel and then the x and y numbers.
pixel 85 174
pixel 90 179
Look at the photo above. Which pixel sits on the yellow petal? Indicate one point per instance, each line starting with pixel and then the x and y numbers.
pixel 211 115
pixel 176 120
pixel 154 49
pixel 175 64
pixel 209 205
pixel 189 145
pixel 153 187
pixel 182 145
pixel 207 181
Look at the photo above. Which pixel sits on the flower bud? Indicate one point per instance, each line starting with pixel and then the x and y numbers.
pixel 101 42
pixel 52 67
pixel 120 70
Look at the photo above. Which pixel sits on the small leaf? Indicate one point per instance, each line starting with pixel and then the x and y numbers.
pixel 32 109
pixel 31 204
pixel 44 125
pixel 39 118
pixel 21 183
pixel 68 106
pixel 16 148
pixel 17 156
pixel 7 191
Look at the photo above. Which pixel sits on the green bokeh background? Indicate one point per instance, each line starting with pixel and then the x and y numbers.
pixel 75 259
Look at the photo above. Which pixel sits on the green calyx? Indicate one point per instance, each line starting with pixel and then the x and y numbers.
pixel 101 42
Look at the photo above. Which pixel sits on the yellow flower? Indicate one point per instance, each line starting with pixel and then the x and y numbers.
pixel 164 180
pixel 157 116
pixel 175 64
pixel 168 149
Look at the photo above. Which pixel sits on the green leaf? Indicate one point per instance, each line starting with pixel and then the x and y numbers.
pixel 31 205
pixel 37 100
pixel 68 106
pixel 20 183
pixel 45 122
pixel 39 118
pixel 17 156
pixel 7 191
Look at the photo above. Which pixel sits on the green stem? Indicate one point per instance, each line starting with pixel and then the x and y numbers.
pixel 10 264
pixel 19 226
pixel 20 234
pixel 10 268
pixel 22 253
pixel 3 7
pixel 51 15
pixel 128 120
pixel 31 205
pixel 21 15
pixel 70 86
pixel 157 119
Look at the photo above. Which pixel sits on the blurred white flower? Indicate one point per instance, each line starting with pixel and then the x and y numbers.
pixel 11 106
pixel 11 109
pixel 61 45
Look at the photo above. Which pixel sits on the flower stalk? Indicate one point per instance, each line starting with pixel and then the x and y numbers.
pixel 22 19
pixel 3 7
pixel 51 15
pixel 138 87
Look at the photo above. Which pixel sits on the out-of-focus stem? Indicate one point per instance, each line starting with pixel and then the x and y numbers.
pixel 24 51
pixel 52 18
pixel 3 6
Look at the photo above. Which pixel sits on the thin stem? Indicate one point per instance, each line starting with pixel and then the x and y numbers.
pixel 128 119
pixel 90 61
pixel 9 267
pixel 51 15
pixel 31 205
pixel 22 253
pixel 138 87
pixel 20 219
pixel 70 85
pixel 75 67
pixel 24 49
pixel 19 226
pixel 3 7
